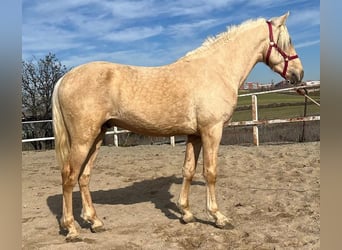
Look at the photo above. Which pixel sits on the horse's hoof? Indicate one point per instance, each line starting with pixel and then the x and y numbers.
pixel 188 219
pixel 97 229
pixel 73 238
pixel 224 225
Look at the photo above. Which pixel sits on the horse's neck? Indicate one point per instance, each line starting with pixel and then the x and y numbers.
pixel 235 57
pixel 242 55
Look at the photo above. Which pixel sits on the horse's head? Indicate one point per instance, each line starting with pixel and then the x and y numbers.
pixel 280 54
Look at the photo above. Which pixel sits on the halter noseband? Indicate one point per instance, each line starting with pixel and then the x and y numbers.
pixel 286 57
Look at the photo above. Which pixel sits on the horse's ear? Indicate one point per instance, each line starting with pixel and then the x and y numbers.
pixel 279 21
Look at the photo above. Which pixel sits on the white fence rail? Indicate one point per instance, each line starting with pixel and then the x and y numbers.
pixel 255 121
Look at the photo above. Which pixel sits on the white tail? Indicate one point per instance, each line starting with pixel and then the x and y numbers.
pixel 62 143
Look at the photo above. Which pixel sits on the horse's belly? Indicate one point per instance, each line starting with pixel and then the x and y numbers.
pixel 157 124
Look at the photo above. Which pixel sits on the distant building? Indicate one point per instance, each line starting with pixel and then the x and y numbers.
pixel 269 86
pixel 250 86
pixel 312 82
pixel 265 87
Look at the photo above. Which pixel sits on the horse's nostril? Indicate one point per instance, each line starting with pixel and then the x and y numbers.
pixel 296 76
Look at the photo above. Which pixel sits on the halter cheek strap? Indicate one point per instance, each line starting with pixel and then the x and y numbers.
pixel 286 57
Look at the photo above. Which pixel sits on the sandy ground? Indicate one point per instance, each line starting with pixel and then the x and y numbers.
pixel 271 192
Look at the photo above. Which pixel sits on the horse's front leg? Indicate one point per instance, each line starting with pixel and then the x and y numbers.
pixel 193 148
pixel 211 137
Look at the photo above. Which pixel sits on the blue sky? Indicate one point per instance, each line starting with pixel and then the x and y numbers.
pixel 153 33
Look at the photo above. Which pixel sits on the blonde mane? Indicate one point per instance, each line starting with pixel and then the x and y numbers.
pixel 283 40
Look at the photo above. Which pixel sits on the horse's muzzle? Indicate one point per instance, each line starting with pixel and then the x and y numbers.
pixel 296 77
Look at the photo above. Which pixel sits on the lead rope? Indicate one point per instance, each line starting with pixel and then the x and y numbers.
pixel 318 104
pixel 307 96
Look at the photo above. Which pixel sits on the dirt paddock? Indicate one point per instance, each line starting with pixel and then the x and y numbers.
pixel 271 193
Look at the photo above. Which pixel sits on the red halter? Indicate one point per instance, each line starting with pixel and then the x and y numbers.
pixel 286 57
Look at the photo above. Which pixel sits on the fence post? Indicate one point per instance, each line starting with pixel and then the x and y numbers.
pixel 115 136
pixel 255 118
pixel 302 139
pixel 172 141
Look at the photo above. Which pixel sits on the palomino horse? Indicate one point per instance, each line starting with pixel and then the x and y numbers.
pixel 194 96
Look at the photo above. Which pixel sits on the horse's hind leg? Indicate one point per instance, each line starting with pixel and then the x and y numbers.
pixel 82 147
pixel 211 138
pixel 88 210
pixel 70 174
pixel 193 148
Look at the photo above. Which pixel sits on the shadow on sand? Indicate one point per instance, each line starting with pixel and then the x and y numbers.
pixel 155 191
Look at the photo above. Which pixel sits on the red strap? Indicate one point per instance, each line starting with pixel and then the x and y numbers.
pixel 272 43
pixel 270 30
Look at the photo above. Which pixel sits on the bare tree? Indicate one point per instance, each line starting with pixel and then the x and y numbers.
pixel 39 77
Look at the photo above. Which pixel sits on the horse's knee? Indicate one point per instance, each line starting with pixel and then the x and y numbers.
pixel 188 174
pixel 84 180
pixel 210 175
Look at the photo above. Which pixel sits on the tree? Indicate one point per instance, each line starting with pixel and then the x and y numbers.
pixel 39 77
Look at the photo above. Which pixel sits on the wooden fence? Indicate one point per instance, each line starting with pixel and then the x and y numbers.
pixel 254 122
